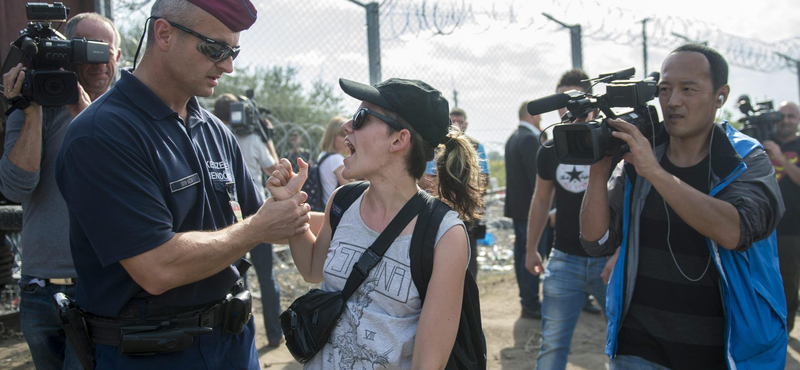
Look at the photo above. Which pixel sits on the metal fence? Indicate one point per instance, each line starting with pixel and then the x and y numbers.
pixel 487 57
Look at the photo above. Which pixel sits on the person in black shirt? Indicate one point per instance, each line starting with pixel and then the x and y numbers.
pixel 571 274
pixel 693 212
pixel 785 159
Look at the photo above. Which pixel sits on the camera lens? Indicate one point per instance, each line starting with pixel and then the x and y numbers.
pixel 583 141
pixel 54 86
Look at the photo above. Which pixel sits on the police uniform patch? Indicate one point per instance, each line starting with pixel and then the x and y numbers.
pixel 184 183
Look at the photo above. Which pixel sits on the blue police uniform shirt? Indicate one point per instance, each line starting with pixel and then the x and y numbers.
pixel 133 174
pixel 483 163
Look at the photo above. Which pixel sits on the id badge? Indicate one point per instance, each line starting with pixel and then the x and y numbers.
pixel 230 187
pixel 237 210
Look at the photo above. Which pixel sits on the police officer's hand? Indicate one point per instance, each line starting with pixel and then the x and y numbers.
pixel 641 152
pixel 12 83
pixel 281 219
pixel 83 101
pixel 283 183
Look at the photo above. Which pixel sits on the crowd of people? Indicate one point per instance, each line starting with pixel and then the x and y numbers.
pixel 146 210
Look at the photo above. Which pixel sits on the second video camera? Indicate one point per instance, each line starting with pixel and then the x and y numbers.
pixel 246 117
pixel 589 142
pixel 759 121
pixel 46 52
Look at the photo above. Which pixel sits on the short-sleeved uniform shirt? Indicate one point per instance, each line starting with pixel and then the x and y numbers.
pixel 133 174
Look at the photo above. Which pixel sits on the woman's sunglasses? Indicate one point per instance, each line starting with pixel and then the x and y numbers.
pixel 215 50
pixel 361 116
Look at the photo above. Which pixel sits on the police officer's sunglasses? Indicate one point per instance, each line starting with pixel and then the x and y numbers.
pixel 361 116
pixel 215 50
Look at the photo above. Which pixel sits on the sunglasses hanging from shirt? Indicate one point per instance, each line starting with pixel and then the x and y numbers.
pixel 215 50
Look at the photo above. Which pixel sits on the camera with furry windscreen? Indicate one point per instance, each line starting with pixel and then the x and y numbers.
pixel 759 121
pixel 47 54
pixel 589 142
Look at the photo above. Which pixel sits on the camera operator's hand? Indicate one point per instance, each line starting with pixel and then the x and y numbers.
pixel 283 183
pixel 281 219
pixel 83 101
pixel 641 152
pixel 12 81
pixel 774 152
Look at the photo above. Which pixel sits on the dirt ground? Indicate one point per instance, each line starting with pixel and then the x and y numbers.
pixel 513 343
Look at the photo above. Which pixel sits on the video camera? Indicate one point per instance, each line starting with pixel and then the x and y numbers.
pixel 46 52
pixel 589 142
pixel 246 117
pixel 759 122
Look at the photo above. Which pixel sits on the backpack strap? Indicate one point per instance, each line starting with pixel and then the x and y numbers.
pixel 324 157
pixel 375 252
pixel 345 197
pixel 423 240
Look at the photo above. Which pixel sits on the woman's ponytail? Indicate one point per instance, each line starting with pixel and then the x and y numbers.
pixel 459 175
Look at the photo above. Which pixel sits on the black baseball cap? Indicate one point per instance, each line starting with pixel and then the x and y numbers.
pixel 422 106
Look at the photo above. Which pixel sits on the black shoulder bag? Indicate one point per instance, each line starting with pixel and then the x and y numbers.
pixel 308 322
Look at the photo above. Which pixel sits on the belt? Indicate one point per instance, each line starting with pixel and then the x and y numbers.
pixel 65 281
pixel 107 331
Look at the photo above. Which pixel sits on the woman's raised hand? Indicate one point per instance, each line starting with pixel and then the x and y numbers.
pixel 283 183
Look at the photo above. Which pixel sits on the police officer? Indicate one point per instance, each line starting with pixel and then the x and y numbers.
pixel 162 207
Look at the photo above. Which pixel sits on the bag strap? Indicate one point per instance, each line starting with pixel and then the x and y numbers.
pixel 423 241
pixel 324 157
pixel 374 253
pixel 345 197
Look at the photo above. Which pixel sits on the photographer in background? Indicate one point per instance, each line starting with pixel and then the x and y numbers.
pixel 33 138
pixel 785 153
pixel 696 284
pixel 258 160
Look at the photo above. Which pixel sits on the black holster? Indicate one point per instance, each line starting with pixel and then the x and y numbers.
pixel 74 326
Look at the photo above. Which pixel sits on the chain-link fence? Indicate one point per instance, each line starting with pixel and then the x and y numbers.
pixel 487 57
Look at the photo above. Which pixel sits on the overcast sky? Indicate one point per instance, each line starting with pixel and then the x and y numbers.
pixel 504 52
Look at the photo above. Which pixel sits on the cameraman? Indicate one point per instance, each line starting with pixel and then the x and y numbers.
pixel 33 137
pixel 696 284
pixel 158 192
pixel 785 154
pixel 258 160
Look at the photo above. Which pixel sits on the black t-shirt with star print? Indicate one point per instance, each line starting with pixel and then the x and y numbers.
pixel 789 190
pixel 570 182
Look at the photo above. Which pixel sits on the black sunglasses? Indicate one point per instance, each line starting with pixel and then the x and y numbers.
pixel 216 51
pixel 361 116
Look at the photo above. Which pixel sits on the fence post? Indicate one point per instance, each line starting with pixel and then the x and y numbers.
pixel 374 43
pixel 575 38
pixel 644 45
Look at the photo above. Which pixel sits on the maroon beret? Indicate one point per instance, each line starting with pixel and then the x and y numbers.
pixel 238 15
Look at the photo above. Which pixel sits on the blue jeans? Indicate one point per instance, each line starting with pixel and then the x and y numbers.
pixel 261 257
pixel 48 344
pixel 634 363
pixel 528 283
pixel 568 280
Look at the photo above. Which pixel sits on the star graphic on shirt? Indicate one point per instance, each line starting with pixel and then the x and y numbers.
pixel 574 174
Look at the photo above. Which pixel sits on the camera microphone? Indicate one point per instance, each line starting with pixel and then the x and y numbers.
pixel 619 75
pixel 548 103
